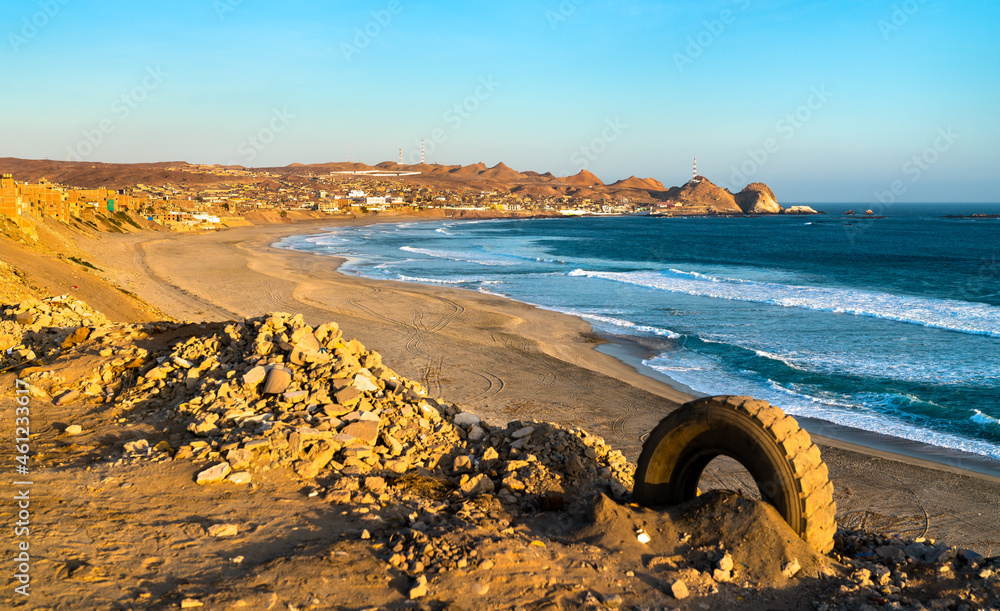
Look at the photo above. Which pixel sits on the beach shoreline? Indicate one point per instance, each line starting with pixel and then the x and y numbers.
pixel 506 360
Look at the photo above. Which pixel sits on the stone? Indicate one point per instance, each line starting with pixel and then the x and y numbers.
pixel 342 497
pixel 223 530
pixel 399 467
pixel 67 397
pixel 240 478
pixel 726 563
pixel 721 576
pixel 78 336
pixel 363 430
pixel 139 446
pixel 73 429
pixel 375 484
pixel 465 419
pixel 295 396
pixel 462 464
pixel 679 589
pixel 419 588
pixel 191 603
pixel 278 380
pixel 255 376
pixel 318 456
pixel 214 474
pixel 476 433
pixel 791 568
pixel 480 484
pixel 490 455
pixel 364 384
pixel 614 601
pixel 239 459
pixel 523 432
pixel 480 588
pixel 348 395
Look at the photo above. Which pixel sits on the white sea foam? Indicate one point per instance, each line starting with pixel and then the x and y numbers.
pixel 865 411
pixel 624 324
pixel 434 280
pixel 461 256
pixel 953 315
pixel 981 418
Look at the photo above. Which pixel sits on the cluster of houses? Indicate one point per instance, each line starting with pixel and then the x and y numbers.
pixel 198 207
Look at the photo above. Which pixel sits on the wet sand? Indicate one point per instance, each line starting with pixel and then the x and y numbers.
pixel 506 360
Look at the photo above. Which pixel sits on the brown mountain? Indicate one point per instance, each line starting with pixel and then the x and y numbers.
pixel 502 173
pixel 583 178
pixel 470 170
pixel 700 194
pixel 639 183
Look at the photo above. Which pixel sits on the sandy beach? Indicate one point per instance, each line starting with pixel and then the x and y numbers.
pixel 505 360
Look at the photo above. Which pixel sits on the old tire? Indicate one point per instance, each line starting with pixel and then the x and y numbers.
pixel 785 464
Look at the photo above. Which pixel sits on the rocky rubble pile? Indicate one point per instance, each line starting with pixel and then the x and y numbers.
pixel 39 329
pixel 273 391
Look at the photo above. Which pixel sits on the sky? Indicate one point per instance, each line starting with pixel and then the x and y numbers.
pixel 847 101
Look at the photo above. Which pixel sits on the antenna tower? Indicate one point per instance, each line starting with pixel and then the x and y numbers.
pixel 421 151
pixel 694 171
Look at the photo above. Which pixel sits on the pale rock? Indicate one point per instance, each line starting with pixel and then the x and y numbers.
pixel 480 484
pixel 295 396
pixel 523 432
pixel 239 459
pixel 680 590
pixel 476 433
pixel 73 429
pixel 419 588
pixel 791 568
pixel 726 563
pixel 239 478
pixel 465 419
pixel 67 397
pixel 139 446
pixel 255 376
pixel 223 530
pixel 214 474
pixel 364 384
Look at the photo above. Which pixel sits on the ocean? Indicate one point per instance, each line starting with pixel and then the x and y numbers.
pixel 888 325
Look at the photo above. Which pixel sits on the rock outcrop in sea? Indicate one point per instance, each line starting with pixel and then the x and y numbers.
pixel 757 198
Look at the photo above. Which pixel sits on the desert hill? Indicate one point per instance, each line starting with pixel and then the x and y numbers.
pixel 701 193
pixel 583 178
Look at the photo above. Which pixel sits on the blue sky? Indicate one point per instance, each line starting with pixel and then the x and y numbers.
pixel 824 101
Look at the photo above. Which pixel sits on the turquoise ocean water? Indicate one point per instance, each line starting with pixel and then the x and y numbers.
pixel 885 325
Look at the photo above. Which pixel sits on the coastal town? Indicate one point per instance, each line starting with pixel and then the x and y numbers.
pixel 191 196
